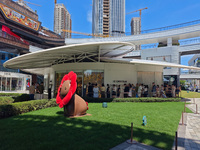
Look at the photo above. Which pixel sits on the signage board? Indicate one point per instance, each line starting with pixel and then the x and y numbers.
pixel 19 18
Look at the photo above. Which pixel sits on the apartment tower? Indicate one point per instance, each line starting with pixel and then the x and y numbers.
pixel 108 17
pixel 62 20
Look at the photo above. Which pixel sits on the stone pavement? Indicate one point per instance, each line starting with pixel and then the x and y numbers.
pixel 189 133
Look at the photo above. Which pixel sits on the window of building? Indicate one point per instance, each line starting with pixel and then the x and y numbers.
pixel 2 56
pixel 10 56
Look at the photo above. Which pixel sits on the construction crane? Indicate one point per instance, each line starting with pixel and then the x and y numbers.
pixel 25 2
pixel 32 3
pixel 140 10
pixel 96 35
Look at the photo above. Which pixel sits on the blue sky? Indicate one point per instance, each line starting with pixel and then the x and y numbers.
pixel 160 13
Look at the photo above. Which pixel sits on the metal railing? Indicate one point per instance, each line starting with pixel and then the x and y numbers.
pixel 190 41
pixel 10 37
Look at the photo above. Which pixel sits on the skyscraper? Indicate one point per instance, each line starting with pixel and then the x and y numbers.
pixel 136 29
pixel 135 25
pixel 62 20
pixel 108 17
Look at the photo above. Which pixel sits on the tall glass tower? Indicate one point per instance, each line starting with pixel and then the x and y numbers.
pixel 108 17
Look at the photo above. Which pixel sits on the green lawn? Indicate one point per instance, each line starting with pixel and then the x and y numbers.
pixel 106 128
pixel 184 94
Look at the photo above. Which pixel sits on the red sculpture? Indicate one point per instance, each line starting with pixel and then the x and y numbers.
pixel 73 104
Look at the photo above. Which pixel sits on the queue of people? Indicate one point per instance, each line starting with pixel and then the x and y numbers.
pixel 131 90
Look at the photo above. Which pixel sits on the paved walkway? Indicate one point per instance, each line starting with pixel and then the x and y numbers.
pixel 188 133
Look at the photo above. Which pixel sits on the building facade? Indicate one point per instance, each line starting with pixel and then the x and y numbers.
pixel 62 20
pixel 108 17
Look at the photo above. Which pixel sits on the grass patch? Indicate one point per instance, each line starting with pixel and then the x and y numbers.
pixel 106 128
pixel 184 94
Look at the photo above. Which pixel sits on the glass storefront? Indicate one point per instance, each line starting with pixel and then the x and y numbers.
pixel 83 79
pixel 14 83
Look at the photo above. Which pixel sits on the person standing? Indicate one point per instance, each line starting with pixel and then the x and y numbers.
pixel 114 91
pixel 130 91
pixel 103 91
pixel 126 90
pixel 153 89
pixel 118 91
pixel 133 91
pixel 32 91
pixel 197 88
pixel 173 91
pixel 157 91
pixel 41 90
pixel 90 90
pixel 139 90
pixel 108 91
pixel 95 91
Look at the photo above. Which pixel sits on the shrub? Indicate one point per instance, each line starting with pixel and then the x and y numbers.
pixel 21 98
pixel 11 94
pixel 23 107
pixel 142 99
pixel 6 100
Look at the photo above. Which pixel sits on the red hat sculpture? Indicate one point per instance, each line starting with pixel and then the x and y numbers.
pixel 73 104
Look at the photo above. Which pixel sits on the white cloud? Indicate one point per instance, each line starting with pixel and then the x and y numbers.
pixel 89 16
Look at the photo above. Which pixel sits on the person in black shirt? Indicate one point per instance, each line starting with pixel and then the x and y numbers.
pixel 108 91
pixel 90 90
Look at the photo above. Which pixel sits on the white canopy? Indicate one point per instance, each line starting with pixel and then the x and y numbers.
pixel 69 53
pixel 96 51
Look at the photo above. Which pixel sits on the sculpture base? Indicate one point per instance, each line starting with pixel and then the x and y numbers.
pixel 79 116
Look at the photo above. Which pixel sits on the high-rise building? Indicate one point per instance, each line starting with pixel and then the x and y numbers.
pixel 62 20
pixel 135 25
pixel 108 17
pixel 136 29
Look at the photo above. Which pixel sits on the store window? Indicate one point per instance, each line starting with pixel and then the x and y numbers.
pixel 83 78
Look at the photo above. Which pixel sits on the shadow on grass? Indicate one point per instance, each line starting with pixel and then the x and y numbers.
pixel 57 132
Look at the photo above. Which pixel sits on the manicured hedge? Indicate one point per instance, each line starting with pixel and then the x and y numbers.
pixel 21 98
pixel 142 99
pixel 11 94
pixel 6 100
pixel 23 107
